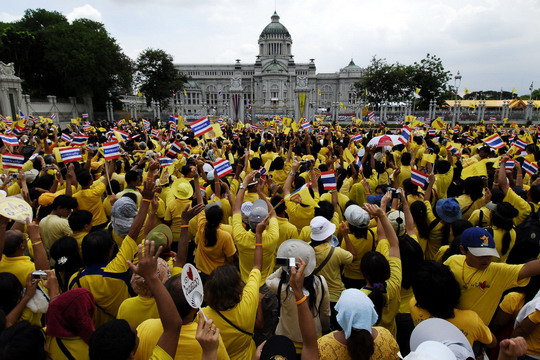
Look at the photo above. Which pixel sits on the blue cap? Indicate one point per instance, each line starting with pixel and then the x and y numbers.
pixel 448 210
pixel 479 242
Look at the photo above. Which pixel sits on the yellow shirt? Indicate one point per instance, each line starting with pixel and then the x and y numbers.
pixel 481 215
pixel 332 270
pixel 53 227
pixel 188 347
pixel 362 246
pixel 435 236
pixel 442 183
pixel 523 206
pixel 174 213
pixel 76 346
pixel 20 266
pixel 245 242
pixel 300 215
pixel 240 346
pixel 208 258
pixel 160 354
pixel 405 173
pixel 481 290
pixel 90 199
pixel 107 283
pixel 385 347
pixel 468 206
pixel 137 309
pixel 533 339
pixel 79 236
pixel 287 230
pixel 512 303
pixel 498 235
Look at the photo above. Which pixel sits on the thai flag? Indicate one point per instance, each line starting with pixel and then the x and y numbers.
pixel 432 131
pixel 494 141
pixel 187 151
pixel 86 126
pixel 146 125
pixel 174 149
pixel 419 178
pixel 155 133
pixel 8 121
pixel 165 161
pixel 222 167
pixel 66 137
pixel 12 161
pixel 470 138
pixel 18 131
pixel 530 168
pixel 452 149
pixel 201 126
pixel 235 135
pixel 10 140
pixel 520 144
pixel 220 121
pixel 371 115
pixel 254 127
pixel 329 180
pixel 111 150
pixel 124 135
pixel 278 121
pixel 511 138
pixel 79 140
pixel 53 116
pixel 306 125
pixel 492 119
pixel 456 130
pixel 85 115
pixel 405 135
pixel 357 138
pixel 173 119
pixel 70 154
pixel 9 131
pixel 21 114
pixel 509 165
pixel 172 128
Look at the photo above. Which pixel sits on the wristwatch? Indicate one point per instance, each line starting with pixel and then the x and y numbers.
pixel 242 186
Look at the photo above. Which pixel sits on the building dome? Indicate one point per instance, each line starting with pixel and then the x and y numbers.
pixel 352 67
pixel 275 67
pixel 275 28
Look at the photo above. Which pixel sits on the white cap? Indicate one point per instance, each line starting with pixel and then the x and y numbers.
pixel 321 228
pixel 431 350
pixel 356 216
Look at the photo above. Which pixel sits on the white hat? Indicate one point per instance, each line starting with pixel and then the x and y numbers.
pixel 258 212
pixel 321 228
pixel 356 216
pixel 298 249
pixel 397 219
pixel 246 207
pixel 431 350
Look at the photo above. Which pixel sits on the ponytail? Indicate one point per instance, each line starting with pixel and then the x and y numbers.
pixel 360 345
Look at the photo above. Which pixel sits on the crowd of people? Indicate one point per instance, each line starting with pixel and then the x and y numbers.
pixel 319 241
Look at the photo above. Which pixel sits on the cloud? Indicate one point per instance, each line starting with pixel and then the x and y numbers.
pixel 84 12
pixel 6 17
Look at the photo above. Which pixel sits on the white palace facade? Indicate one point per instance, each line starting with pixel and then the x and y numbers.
pixel 273 85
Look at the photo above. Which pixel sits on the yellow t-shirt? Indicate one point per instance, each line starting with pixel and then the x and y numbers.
pixel 287 230
pixel 79 236
pixel 188 347
pixel 173 213
pixel 405 173
pixel 362 246
pixel 442 183
pixel 300 215
pixel 159 354
pixel 137 309
pixel 435 236
pixel 90 199
pixel 208 258
pixel 468 206
pixel 76 346
pixel 523 206
pixel 385 347
pixel 481 290
pixel 239 345
pixel 332 270
pixel 245 242
pixel 53 227
pixel 467 321
pixel 20 266
pixel 498 235
pixel 482 215
pixel 512 303
pixel 107 284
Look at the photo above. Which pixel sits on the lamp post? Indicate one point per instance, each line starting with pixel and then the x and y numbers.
pixel 457 82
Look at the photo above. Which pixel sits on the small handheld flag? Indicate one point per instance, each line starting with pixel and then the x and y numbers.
pixel 12 161
pixel 494 141
pixel 223 167
pixel 85 115
pixel 529 167
pixel 165 161
pixel 509 165
pixel 357 138
pixel 520 144
pixel 70 154
pixel 66 137
pixel 371 115
pixel 201 126
pixel 329 180
pixel 111 150
pixel 9 140
pixel 174 149
pixel 419 178
pixel 79 140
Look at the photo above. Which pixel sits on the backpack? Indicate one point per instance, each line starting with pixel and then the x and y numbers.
pixel 527 244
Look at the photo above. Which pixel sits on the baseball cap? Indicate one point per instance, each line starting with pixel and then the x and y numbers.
pixel 479 242
pixel 321 228
pixel 245 209
pixel 182 189
pixel 397 219
pixel 356 216
pixel 258 212
pixel 448 210
pixel 161 235
pixel 295 248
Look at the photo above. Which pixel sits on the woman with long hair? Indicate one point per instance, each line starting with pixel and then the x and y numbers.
pixel 472 197
pixel 502 225
pixel 318 298
pixel 67 259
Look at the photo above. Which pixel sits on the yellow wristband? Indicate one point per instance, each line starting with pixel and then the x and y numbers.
pixel 184 226
pixel 301 300
pixel 147 200
pixel 258 244
pixel 36 243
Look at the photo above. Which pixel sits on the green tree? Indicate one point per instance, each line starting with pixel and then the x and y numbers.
pixel 489 95
pixel 432 79
pixel 156 77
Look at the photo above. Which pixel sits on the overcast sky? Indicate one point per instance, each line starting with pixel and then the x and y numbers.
pixel 493 43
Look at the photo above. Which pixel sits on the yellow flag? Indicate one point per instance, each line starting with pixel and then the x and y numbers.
pixel 76 121
pixel 341 105
pixel 302 196
pixel 472 106
pixel 181 123
pixel 319 92
pixel 417 90
pixel 287 121
pixel 438 124
pixel 429 158
pixel 294 126
pixel 477 169
pixel 185 92
pixel 286 130
pixel 514 90
pixel 139 93
pixel 505 120
pixel 466 91
pixel 367 92
pixel 348 156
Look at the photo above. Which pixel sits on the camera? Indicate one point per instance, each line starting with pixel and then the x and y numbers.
pixel 285 261
pixel 39 275
pixel 395 192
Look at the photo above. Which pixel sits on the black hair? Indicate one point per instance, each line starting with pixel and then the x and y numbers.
pixel 115 185
pixel 22 341
pixel 255 163
pixel 113 340
pixel 474 187
pixel 79 219
pixel 275 200
pixel 325 209
pixel 376 271
pixel 68 248
pixel 12 242
pixel 411 255
pixel 132 176
pixel 436 289
pixel 12 291
pixel 64 202
pixel 419 214
pixel 131 195
pixel 535 193
pixel 83 177
pixel 214 215
pixel 96 248
pixel 174 287
pixel 410 188
pixel 502 218
pixel 442 166
pixel 277 164
pixel 406 159
pixel 360 344
pixel 309 285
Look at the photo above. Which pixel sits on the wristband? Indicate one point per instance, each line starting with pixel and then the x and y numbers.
pixel 301 300
pixel 184 226
pixel 258 244
pixel 292 173
pixel 36 243
pixel 147 200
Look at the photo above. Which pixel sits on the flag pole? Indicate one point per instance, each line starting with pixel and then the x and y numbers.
pixel 107 176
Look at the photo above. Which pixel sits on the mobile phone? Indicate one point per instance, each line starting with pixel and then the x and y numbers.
pixel 285 261
pixel 39 275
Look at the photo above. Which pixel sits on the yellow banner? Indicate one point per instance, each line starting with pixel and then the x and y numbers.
pixel 302 103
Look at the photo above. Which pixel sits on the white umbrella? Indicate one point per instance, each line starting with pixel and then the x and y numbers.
pixel 385 140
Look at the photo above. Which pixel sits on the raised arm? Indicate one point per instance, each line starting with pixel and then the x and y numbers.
pixel 290 178
pixel 428 191
pixel 170 319
pixel 138 222
pixel 240 196
pixel 503 183
pixel 409 221
pixel 40 255
pixel 389 232
pixel 258 255
pixel 183 243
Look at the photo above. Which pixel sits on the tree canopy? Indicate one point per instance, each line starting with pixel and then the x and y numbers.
pixel 156 77
pixel 54 57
